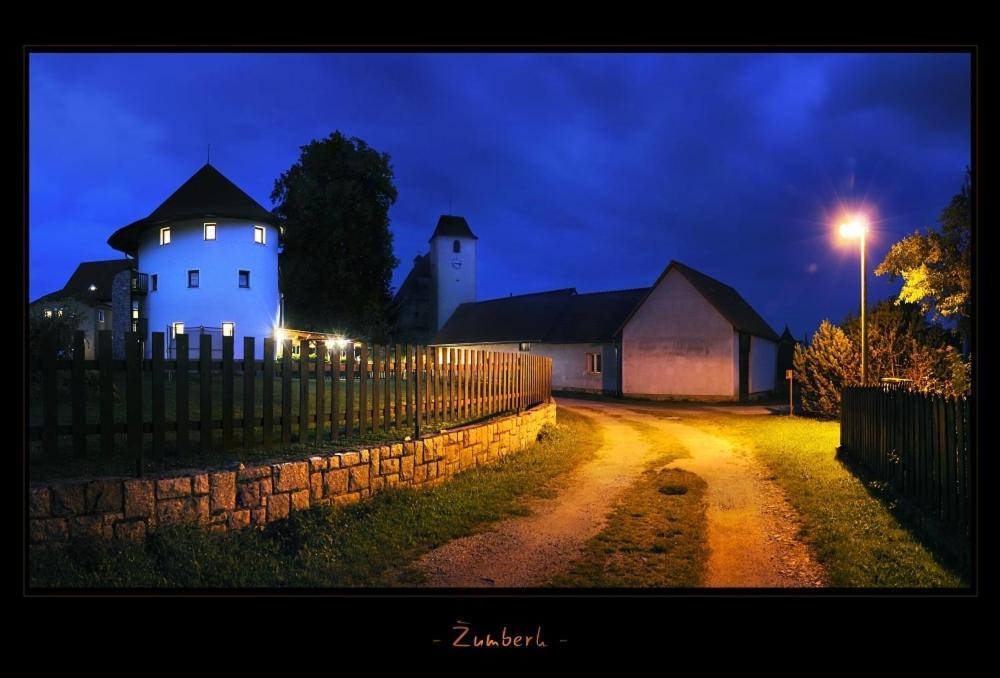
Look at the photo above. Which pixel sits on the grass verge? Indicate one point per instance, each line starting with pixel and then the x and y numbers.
pixel 656 534
pixel 363 544
pixel 854 532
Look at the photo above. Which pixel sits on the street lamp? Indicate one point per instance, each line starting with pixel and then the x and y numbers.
pixel 856 228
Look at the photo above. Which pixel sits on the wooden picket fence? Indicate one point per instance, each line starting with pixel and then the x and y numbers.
pixel 918 443
pixel 384 388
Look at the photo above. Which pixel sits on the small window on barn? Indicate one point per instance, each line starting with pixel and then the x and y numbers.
pixel 456 247
pixel 209 231
pixel 152 282
pixel 593 363
pixel 100 315
pixel 48 313
pixel 193 278
pixel 165 236
pixel 524 346
pixel 258 235
pixel 244 278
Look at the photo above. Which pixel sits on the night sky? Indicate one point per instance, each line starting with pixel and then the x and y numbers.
pixel 587 171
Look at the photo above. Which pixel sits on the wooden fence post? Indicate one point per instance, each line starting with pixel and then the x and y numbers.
pixel 182 394
pixel 228 399
pixel 78 394
pixel 107 395
pixel 320 390
pixel 205 413
pixel 158 395
pixel 249 391
pixel 50 398
pixel 267 394
pixel 133 398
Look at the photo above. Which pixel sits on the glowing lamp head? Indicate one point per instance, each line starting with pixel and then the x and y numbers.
pixel 329 344
pixel 855 228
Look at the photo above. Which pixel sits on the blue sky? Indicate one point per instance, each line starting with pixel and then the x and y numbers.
pixel 575 170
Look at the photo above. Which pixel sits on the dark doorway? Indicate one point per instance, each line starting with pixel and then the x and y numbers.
pixel 744 367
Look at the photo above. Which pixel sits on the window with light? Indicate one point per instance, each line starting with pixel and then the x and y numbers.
pixel 165 236
pixel 177 328
pixel 258 235
pixel 228 329
pixel 209 231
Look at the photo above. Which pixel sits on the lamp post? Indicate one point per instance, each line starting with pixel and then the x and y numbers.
pixel 856 228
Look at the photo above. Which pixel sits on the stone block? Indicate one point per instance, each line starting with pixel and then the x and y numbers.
pixel 350 458
pixel 182 510
pixel 358 479
pixel 278 506
pixel 291 476
pixel 86 526
pixel 406 468
pixel 67 499
pixel 258 517
pixel 336 482
pixel 254 472
pixel 316 484
pixel 171 488
pixel 140 499
pixel 223 493
pixel 300 500
pixel 389 466
pixel 318 464
pixel 248 495
pixel 239 519
pixel 200 483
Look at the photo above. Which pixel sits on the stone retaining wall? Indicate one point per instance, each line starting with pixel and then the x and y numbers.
pixel 231 498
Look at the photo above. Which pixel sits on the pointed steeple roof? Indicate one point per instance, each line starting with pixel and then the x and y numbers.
pixel 449 226
pixel 206 194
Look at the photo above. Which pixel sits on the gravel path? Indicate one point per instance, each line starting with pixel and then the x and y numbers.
pixel 752 529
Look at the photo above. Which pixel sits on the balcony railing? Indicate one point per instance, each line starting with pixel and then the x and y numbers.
pixel 140 283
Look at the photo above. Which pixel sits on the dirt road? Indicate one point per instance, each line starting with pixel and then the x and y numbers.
pixel 751 526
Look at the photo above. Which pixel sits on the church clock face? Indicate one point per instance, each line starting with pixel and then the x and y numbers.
pixel 456 263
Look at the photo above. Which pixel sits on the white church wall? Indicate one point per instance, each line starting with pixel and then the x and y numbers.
pixel 454 273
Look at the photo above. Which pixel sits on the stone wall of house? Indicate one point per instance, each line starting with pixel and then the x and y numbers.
pixel 223 499
pixel 121 312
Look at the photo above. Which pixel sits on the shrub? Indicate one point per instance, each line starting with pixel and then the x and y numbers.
pixel 829 364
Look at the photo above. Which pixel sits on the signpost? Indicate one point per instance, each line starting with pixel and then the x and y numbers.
pixel 791 379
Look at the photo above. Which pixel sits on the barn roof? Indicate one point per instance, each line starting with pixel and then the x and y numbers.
pixel 724 298
pixel 559 316
pixel 206 194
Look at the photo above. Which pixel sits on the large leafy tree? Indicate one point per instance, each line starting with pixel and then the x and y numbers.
pixel 903 345
pixel 336 263
pixel 936 265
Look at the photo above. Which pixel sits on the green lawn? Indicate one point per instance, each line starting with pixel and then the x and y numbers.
pixel 656 535
pixel 852 526
pixel 366 544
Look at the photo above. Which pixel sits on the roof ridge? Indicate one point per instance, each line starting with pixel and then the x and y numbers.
pixel 522 296
pixel 627 289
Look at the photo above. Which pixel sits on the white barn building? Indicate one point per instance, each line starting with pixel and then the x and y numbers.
pixel 688 336
pixel 207 262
